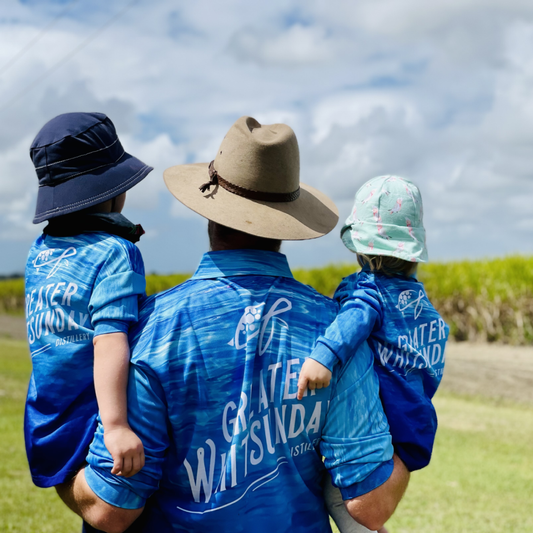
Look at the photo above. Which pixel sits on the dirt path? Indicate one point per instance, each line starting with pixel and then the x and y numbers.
pixel 495 371
pixel 12 327
pixel 488 370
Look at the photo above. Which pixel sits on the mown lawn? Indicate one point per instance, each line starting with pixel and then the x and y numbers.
pixel 480 479
pixel 23 507
pixel 481 476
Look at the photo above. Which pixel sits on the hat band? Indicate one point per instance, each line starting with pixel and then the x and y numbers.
pixel 216 179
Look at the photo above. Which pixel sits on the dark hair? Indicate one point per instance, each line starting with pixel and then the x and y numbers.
pixel 224 238
pixel 390 266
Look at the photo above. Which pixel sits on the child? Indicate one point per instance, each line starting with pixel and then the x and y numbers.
pixel 84 277
pixel 385 305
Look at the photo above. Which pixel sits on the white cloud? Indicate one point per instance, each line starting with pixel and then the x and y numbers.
pixel 160 153
pixel 438 92
pixel 352 108
pixel 295 46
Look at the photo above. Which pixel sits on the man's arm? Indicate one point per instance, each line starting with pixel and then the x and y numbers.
pixel 374 508
pixel 79 497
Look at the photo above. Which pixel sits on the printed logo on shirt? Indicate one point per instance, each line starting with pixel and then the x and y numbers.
pixel 253 323
pixel 255 431
pixel 408 299
pixel 46 258
pixel 49 312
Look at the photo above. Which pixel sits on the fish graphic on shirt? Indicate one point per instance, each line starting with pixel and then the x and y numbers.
pixel 409 299
pixel 255 321
pixel 47 258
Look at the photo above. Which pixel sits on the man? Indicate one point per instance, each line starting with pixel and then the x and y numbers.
pixel 214 372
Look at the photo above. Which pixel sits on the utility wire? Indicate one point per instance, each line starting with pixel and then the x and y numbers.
pixel 67 57
pixel 37 38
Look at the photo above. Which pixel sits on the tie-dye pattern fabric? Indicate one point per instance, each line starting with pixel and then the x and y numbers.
pixel 387 219
pixel 212 394
pixel 76 287
pixel 408 338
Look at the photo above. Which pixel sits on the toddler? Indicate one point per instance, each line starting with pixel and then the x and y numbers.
pixel 84 277
pixel 386 306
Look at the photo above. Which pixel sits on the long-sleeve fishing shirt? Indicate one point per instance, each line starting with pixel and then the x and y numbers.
pixel 76 287
pixel 212 395
pixel 407 337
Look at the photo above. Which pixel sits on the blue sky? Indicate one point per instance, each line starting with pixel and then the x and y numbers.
pixel 438 92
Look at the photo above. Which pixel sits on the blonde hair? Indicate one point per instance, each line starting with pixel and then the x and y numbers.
pixel 390 266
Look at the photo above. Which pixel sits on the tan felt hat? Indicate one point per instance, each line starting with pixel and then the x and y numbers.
pixel 253 185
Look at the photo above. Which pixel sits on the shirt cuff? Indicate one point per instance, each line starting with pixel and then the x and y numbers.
pixel 324 356
pixel 111 326
pixel 373 481
pixel 107 489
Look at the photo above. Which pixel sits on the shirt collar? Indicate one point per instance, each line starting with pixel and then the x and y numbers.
pixel 227 263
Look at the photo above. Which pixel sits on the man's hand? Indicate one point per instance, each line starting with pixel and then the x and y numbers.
pixel 373 509
pixel 313 375
pixel 126 449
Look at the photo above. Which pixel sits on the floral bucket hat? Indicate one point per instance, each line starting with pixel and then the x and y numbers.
pixel 386 219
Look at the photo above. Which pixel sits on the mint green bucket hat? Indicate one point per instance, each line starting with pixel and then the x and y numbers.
pixel 386 219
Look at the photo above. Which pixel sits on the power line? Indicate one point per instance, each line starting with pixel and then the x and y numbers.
pixel 67 57
pixel 37 38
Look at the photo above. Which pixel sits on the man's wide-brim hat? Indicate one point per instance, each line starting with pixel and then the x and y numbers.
pixel 253 185
pixel 79 163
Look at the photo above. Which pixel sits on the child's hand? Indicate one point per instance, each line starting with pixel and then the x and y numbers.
pixel 313 374
pixel 126 449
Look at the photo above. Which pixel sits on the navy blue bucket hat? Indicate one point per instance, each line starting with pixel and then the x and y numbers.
pixel 79 163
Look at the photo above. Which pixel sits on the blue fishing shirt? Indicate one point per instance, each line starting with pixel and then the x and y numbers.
pixel 212 395
pixel 407 337
pixel 76 287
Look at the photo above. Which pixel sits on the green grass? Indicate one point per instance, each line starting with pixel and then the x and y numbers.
pixel 480 478
pixel 481 475
pixel 23 507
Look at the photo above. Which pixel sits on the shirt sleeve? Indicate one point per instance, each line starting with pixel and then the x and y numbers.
pixel 147 415
pixel 113 305
pixel 356 442
pixel 360 313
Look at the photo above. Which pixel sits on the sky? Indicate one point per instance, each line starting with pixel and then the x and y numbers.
pixel 437 92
